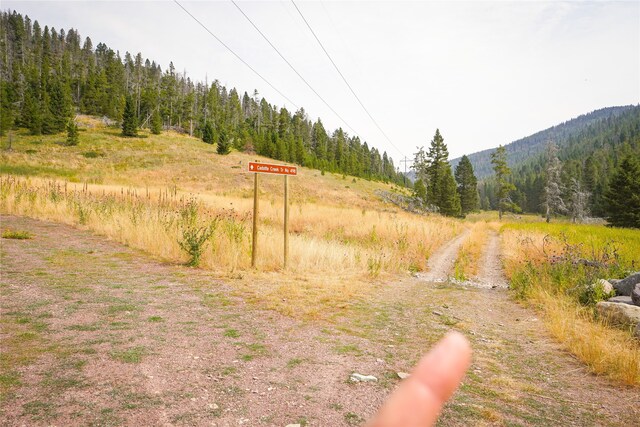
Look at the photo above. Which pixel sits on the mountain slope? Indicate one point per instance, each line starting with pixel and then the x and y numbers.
pixel 565 135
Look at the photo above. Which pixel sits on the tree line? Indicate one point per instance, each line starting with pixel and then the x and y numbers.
pixel 587 160
pixel 48 75
pixel 437 188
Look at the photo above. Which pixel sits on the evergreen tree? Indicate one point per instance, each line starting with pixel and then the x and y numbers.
pixel 438 161
pixel 129 120
pixel 467 186
pixel 207 133
pixel 420 191
pixel 59 105
pixel 448 198
pixel 622 198
pixel 224 147
pixel 504 187
pixel 434 169
pixel 156 122
pixel 72 133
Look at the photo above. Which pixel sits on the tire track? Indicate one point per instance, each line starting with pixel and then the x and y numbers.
pixel 441 262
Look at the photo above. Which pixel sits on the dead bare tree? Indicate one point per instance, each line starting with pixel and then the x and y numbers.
pixel 553 189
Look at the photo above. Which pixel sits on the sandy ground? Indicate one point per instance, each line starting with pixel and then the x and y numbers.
pixel 94 333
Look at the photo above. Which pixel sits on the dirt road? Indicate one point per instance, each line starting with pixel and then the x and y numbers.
pixel 94 333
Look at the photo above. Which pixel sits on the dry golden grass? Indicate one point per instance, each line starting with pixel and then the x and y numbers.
pixel 469 256
pixel 335 252
pixel 605 350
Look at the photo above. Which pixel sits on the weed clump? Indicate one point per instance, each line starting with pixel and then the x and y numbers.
pixel 194 234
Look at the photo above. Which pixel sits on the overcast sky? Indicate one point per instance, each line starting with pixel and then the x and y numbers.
pixel 484 73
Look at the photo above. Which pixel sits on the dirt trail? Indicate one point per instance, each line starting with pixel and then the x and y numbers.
pixel 491 274
pixel 441 262
pixel 99 334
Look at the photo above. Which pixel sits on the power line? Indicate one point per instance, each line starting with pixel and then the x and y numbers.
pixel 235 54
pixel 344 79
pixel 293 68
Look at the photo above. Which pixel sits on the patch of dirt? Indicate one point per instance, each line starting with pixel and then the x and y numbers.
pixel 99 334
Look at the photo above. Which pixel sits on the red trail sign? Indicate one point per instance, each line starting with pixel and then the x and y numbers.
pixel 271 168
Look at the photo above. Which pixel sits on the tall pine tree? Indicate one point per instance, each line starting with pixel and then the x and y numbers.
pixel 224 147
pixel 467 186
pixel 622 199
pixel 129 120
pixel 156 122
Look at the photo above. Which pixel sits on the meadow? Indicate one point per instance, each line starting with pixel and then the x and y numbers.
pixel 174 198
pixel 161 194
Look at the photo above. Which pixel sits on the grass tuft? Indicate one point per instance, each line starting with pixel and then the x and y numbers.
pixel 16 234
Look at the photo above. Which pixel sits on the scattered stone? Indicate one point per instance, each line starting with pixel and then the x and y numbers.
pixel 356 378
pixel 213 406
pixel 380 361
pixel 626 285
pixel 635 294
pixel 437 313
pixel 607 287
pixel 622 314
pixel 292 425
pixel 403 375
pixel 621 300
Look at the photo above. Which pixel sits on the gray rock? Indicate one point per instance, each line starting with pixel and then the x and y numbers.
pixel 621 314
pixel 613 281
pixel 626 285
pixel 635 294
pixel 621 300
pixel 357 378
pixel 402 375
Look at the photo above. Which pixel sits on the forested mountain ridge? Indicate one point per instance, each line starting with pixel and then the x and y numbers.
pixel 48 75
pixel 590 148
pixel 569 133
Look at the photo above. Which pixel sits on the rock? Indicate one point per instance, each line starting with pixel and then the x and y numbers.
pixel 437 313
pixel 622 314
pixel 607 287
pixel 402 375
pixel 293 425
pixel 621 300
pixel 626 285
pixel 357 378
pixel 635 294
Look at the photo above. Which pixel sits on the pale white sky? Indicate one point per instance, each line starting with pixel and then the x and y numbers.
pixel 485 73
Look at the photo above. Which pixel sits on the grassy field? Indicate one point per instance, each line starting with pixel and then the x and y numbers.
pixel 162 193
pixel 542 262
pixel 174 198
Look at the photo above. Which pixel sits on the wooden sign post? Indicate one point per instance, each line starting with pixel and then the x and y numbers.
pixel 258 168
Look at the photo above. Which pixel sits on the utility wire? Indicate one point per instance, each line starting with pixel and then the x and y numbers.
pixel 293 68
pixel 235 54
pixel 344 79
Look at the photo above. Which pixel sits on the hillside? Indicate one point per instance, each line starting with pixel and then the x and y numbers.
pixel 569 136
pixel 48 75
pixel 170 160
